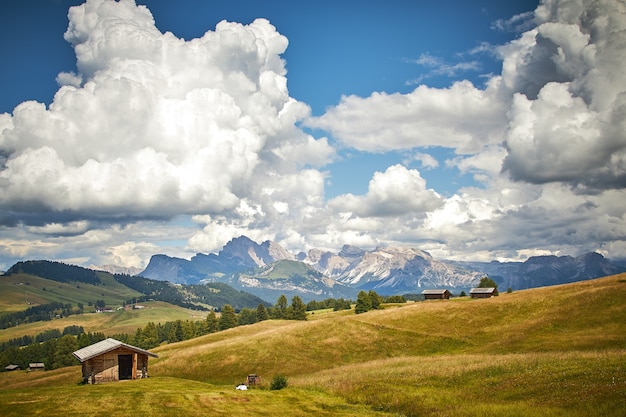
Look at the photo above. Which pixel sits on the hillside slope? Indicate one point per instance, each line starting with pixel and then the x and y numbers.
pixel 587 316
pixel 557 351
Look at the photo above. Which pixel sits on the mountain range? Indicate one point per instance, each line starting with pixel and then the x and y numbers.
pixel 268 270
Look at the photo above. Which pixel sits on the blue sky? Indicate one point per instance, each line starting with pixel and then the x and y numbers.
pixel 335 48
pixel 438 124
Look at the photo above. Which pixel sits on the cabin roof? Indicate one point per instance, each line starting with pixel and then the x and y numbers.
pixel 488 290
pixel 105 346
pixel 429 292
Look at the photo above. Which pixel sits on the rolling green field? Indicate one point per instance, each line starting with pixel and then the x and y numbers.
pixel 123 321
pixel 554 351
pixel 19 291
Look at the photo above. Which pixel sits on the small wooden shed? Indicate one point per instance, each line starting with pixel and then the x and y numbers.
pixel 112 360
pixel 36 366
pixel 436 294
pixel 482 292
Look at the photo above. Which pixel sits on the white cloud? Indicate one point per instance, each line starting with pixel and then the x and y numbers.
pixel 566 122
pixel 69 78
pixel 153 125
pixel 519 23
pixel 395 192
pixel 427 161
pixel 437 66
pixel 461 117
pixel 154 129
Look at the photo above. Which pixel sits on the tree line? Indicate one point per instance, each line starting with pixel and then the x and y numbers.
pixel 41 312
pixel 55 348
pixel 55 351
pixel 55 271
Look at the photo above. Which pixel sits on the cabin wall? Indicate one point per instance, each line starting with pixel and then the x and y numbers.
pixel 481 295
pixel 105 368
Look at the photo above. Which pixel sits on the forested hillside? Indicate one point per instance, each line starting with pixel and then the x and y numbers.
pixel 55 271
pixel 42 290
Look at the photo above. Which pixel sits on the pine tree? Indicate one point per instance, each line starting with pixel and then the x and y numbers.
pixel 261 313
pixel 247 316
pixel 487 282
pixel 375 299
pixel 297 310
pixel 228 318
pixel 280 308
pixel 63 352
pixel 363 303
pixel 211 322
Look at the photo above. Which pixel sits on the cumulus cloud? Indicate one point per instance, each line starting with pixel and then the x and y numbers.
pixel 545 139
pixel 161 144
pixel 566 122
pixel 395 192
pixel 461 117
pixel 152 126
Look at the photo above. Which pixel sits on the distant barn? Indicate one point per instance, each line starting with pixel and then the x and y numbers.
pixel 482 292
pixel 36 366
pixel 436 294
pixel 112 360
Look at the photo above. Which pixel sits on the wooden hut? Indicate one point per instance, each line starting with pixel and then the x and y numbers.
pixel 436 294
pixel 112 360
pixel 482 292
pixel 36 366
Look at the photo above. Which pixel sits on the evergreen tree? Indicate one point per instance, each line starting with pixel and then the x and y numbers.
pixel 375 299
pixel 247 316
pixel 212 322
pixel 297 310
pixel 83 340
pixel 341 304
pixel 363 303
pixel 228 318
pixel 280 308
pixel 261 313
pixel 487 282
pixel 150 336
pixel 63 352
pixel 201 328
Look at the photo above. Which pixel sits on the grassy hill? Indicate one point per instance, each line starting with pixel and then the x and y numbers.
pixel 554 351
pixel 19 291
pixel 123 321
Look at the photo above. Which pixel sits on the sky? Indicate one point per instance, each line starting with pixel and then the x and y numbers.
pixel 474 130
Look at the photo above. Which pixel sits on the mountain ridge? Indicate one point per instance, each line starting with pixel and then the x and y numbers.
pixel 389 270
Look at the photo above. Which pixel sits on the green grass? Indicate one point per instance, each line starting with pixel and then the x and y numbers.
pixel 109 323
pixel 163 396
pixel 17 291
pixel 555 351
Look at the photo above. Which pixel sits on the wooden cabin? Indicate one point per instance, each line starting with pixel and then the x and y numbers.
pixel 36 366
pixel 111 360
pixel 482 292
pixel 436 294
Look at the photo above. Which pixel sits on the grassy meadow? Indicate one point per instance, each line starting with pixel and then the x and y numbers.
pixel 123 321
pixel 18 290
pixel 553 351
